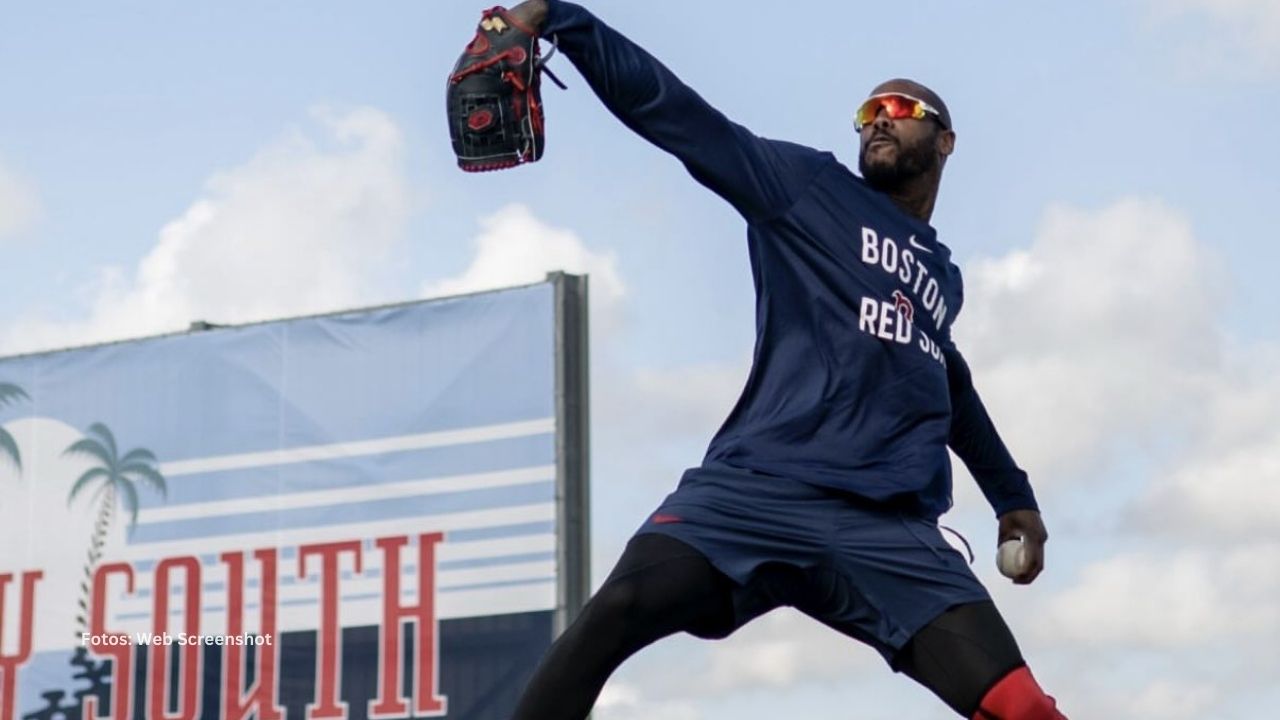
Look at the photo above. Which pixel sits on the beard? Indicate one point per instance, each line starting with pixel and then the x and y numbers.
pixel 909 163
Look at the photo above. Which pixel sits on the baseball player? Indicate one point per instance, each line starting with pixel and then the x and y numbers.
pixel 823 488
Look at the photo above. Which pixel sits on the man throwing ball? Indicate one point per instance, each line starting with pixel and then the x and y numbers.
pixel 823 488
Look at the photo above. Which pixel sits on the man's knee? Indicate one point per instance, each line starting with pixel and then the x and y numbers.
pixel 1017 696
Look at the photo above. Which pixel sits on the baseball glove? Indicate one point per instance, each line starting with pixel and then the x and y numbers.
pixel 494 97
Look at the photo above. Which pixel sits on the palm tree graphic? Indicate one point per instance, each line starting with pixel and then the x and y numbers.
pixel 115 477
pixel 8 446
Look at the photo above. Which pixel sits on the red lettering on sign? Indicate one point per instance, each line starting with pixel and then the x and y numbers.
pixel 261 698
pixel 189 657
pixel 426 682
pixel 329 638
pixel 9 664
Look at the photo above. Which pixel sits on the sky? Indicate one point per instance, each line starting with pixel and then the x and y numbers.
pixel 1112 203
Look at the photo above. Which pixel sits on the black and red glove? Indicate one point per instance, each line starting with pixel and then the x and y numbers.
pixel 494 98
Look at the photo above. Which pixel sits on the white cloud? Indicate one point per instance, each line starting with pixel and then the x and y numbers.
pixel 516 247
pixel 1232 30
pixel 1091 341
pixel 1234 494
pixel 19 203
pixel 649 425
pixel 679 402
pixel 1109 669
pixel 1164 700
pixel 622 701
pixel 305 226
pixel 766 660
pixel 1102 341
pixel 1100 351
pixel 1169 600
pixel 618 694
pixel 1228 482
pixel 764 663
pixel 784 648
pixel 1160 699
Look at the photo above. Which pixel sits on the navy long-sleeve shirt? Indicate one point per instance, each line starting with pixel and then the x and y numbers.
pixel 855 383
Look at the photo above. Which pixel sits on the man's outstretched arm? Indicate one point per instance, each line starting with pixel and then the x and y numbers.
pixel 975 440
pixel 759 177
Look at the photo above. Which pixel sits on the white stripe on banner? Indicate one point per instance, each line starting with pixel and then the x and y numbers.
pixel 528 596
pixel 477 520
pixel 451 551
pixel 497 601
pixel 354 494
pixel 517 571
pixel 446 552
pixel 362 447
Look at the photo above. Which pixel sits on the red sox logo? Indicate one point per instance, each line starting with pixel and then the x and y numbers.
pixel 903 305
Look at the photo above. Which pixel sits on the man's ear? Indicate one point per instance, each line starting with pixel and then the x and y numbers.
pixel 946 142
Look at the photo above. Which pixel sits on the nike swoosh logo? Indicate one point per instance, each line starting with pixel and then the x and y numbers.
pixel 917 245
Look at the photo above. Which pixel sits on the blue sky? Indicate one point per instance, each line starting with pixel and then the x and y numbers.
pixel 1112 202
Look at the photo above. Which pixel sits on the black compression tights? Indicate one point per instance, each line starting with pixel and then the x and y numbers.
pixel 961 655
pixel 662 586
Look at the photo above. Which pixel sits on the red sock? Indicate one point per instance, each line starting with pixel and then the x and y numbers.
pixel 1017 697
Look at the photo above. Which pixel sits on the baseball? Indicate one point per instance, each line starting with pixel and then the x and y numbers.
pixel 1011 558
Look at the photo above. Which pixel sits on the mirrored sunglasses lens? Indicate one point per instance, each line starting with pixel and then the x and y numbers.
pixel 867 113
pixel 896 107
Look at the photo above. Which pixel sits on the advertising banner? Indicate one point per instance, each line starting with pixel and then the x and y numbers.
pixel 369 514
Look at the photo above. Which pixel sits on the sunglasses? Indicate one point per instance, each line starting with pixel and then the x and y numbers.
pixel 897 106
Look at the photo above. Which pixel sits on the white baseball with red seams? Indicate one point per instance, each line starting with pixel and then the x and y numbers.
pixel 1011 558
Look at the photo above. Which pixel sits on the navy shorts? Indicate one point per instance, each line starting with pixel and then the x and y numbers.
pixel 873 572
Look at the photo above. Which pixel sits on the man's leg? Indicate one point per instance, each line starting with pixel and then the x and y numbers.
pixel 660 586
pixel 967 656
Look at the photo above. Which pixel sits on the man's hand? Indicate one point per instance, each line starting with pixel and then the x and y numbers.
pixel 1025 524
pixel 530 13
